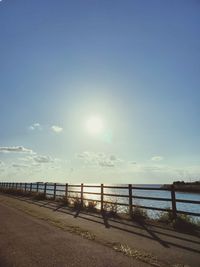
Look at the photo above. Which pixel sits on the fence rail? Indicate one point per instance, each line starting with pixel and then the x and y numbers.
pixel 57 190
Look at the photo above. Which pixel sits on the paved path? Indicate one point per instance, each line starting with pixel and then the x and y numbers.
pixel 168 247
pixel 27 241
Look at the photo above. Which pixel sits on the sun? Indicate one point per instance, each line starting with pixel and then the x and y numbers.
pixel 95 125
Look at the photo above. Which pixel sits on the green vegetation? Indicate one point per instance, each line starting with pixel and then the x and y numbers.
pixel 39 196
pixel 21 192
pixel 15 191
pixel 74 201
pixel 182 222
pixel 64 201
pixel 166 216
pixel 111 208
pixel 91 206
pixel 139 215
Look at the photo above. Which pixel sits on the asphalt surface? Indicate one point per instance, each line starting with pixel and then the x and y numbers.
pixel 48 221
pixel 27 241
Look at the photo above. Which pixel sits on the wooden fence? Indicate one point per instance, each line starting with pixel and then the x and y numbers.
pixel 56 190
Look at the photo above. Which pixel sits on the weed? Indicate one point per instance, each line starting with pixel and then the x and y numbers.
pixel 166 216
pixel 91 206
pixel 184 223
pixel 13 191
pixel 64 201
pixel 75 201
pixel 139 214
pixel 39 196
pixel 111 208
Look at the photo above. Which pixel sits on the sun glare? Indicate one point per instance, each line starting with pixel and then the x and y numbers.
pixel 95 125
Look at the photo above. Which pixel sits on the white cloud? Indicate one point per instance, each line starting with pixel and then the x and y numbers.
pixel 133 162
pixel 99 159
pixel 42 159
pixel 38 127
pixel 157 158
pixel 16 149
pixel 56 129
pixel 35 126
pixel 19 166
pixel 106 163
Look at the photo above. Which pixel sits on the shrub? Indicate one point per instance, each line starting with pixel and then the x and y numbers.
pixel 14 191
pixel 39 196
pixel 139 214
pixel 91 206
pixel 64 201
pixel 166 216
pixel 111 208
pixel 75 201
pixel 184 223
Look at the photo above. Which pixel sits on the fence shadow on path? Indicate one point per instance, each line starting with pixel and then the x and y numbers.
pixel 148 230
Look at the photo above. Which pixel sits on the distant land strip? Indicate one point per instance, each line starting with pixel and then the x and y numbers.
pixel 181 186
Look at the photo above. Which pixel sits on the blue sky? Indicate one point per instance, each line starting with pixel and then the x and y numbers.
pixel 132 65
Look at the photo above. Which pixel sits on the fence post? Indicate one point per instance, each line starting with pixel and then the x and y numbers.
pixel 45 189
pixel 54 191
pixel 173 196
pixel 37 186
pixel 31 187
pixel 81 195
pixel 66 191
pixel 130 200
pixel 101 197
pixel 25 186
